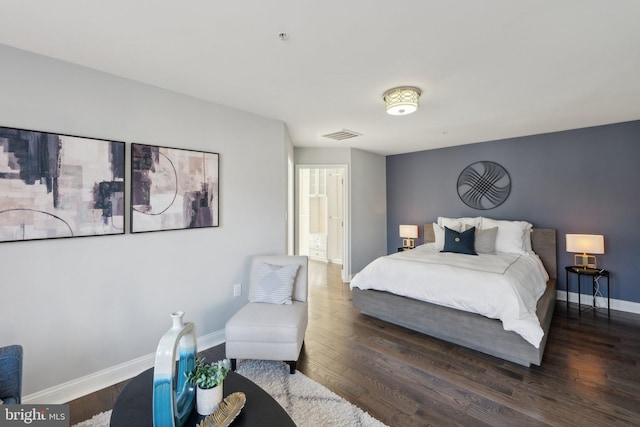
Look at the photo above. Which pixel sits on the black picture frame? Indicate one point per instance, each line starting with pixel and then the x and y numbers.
pixel 55 185
pixel 173 188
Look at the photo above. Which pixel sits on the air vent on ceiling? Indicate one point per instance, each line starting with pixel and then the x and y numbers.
pixel 343 134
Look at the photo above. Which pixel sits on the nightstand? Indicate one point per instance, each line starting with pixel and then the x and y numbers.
pixel 595 274
pixel 404 249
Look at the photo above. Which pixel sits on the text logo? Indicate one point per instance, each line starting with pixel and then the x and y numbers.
pixel 34 415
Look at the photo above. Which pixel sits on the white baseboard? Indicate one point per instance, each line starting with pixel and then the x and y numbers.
pixel 211 340
pixel 616 304
pixel 88 384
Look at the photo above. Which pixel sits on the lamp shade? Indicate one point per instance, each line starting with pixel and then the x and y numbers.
pixel 585 243
pixel 409 231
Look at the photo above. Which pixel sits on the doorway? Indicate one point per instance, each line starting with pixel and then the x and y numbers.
pixel 321 227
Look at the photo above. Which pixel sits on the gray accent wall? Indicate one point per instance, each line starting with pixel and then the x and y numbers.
pixel 577 181
pixel 83 305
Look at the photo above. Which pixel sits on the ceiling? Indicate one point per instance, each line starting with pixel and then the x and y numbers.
pixel 487 69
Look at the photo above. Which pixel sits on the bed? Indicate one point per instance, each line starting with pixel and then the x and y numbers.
pixel 468 329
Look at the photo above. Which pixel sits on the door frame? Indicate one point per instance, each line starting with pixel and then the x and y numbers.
pixel 346 212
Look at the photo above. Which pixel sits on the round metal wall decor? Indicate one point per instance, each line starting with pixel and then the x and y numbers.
pixel 484 185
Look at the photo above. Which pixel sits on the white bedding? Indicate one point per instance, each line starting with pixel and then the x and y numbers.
pixel 500 286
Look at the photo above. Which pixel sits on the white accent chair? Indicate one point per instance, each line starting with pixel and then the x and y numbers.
pixel 265 331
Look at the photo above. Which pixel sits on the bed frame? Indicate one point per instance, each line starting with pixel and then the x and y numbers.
pixel 469 329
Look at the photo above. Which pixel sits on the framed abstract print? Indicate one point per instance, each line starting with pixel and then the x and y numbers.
pixel 173 188
pixel 55 186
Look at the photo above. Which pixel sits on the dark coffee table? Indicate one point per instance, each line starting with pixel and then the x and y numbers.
pixel 134 406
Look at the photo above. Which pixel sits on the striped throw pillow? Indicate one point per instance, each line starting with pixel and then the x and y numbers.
pixel 274 283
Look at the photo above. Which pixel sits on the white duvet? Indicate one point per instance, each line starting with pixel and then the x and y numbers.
pixel 499 286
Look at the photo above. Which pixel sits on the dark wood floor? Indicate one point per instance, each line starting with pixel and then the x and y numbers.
pixel 590 374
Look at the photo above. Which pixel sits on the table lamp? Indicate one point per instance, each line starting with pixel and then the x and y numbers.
pixel 408 233
pixel 581 244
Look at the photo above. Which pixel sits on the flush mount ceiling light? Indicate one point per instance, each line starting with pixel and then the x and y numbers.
pixel 401 101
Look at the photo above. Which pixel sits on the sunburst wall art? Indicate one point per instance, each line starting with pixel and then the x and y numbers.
pixel 484 185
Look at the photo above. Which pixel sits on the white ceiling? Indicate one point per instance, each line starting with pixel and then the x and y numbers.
pixel 488 69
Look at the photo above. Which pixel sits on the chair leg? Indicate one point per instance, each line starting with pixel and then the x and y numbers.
pixel 233 364
pixel 292 366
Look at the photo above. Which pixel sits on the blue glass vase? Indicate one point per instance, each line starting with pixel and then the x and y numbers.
pixel 173 395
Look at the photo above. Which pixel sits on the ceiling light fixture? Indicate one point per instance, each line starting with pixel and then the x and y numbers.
pixel 401 101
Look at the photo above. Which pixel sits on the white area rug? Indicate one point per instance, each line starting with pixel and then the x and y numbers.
pixel 307 402
pixel 101 420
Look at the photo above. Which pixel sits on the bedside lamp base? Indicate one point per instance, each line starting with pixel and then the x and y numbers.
pixel 585 261
pixel 408 243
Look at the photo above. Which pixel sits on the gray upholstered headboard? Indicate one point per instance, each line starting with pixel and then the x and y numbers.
pixel 543 242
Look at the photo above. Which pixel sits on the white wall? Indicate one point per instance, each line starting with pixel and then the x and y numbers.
pixel 367 199
pixel 290 195
pixel 82 305
pixel 368 208
pixel 322 156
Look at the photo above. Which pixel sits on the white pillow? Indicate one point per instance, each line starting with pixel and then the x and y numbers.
pixel 274 283
pixel 527 239
pixel 510 238
pixel 458 224
pixel 438 232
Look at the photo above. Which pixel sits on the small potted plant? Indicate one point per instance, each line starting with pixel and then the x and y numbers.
pixel 208 378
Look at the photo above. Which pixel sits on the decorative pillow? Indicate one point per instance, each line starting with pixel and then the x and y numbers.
pixel 459 242
pixel 486 240
pixel 510 238
pixel 274 283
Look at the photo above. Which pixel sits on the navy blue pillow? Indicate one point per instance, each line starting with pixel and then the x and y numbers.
pixel 460 243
